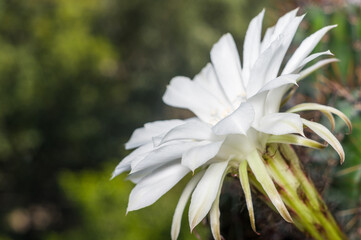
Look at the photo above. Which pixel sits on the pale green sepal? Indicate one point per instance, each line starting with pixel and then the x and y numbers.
pixel 178 213
pixel 295 140
pixel 325 109
pixel 259 170
pixel 324 133
pixel 243 177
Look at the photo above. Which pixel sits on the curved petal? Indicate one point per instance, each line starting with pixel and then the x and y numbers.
pixel 206 192
pixel 155 185
pixel 177 217
pixel 236 123
pixel 225 59
pixel 280 124
pixel 325 109
pixel 324 133
pixel 197 156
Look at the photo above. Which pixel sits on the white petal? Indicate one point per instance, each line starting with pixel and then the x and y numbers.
pixel 214 215
pixel 207 79
pixel 206 192
pixel 184 93
pixel 138 176
pixel 274 97
pixel 314 56
pixel 304 73
pixel 251 47
pixel 277 59
pixel 324 133
pixel 259 72
pixel 258 104
pixel 236 123
pixel 197 156
pixel 305 49
pixel 267 38
pixel 144 135
pixel 260 172
pixel 138 153
pixel 325 109
pixel 177 217
pixel 281 123
pixel 276 87
pixel 226 62
pixel 164 154
pixel 192 130
pixel 280 81
pixel 235 145
pixel 155 185
pixel 273 32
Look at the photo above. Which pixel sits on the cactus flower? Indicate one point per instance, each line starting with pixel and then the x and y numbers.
pixel 237 116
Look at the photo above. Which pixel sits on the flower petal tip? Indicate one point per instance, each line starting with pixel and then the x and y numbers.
pixel 342 159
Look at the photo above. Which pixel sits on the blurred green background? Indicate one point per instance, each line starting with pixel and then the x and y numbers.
pixel 77 77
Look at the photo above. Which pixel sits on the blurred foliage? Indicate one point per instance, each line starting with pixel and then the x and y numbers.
pixel 103 205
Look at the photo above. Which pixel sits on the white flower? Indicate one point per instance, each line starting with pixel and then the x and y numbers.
pixel 237 114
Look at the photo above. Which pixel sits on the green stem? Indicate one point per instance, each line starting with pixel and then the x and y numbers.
pixel 309 212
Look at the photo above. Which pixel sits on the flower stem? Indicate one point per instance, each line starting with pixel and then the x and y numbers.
pixel 309 212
